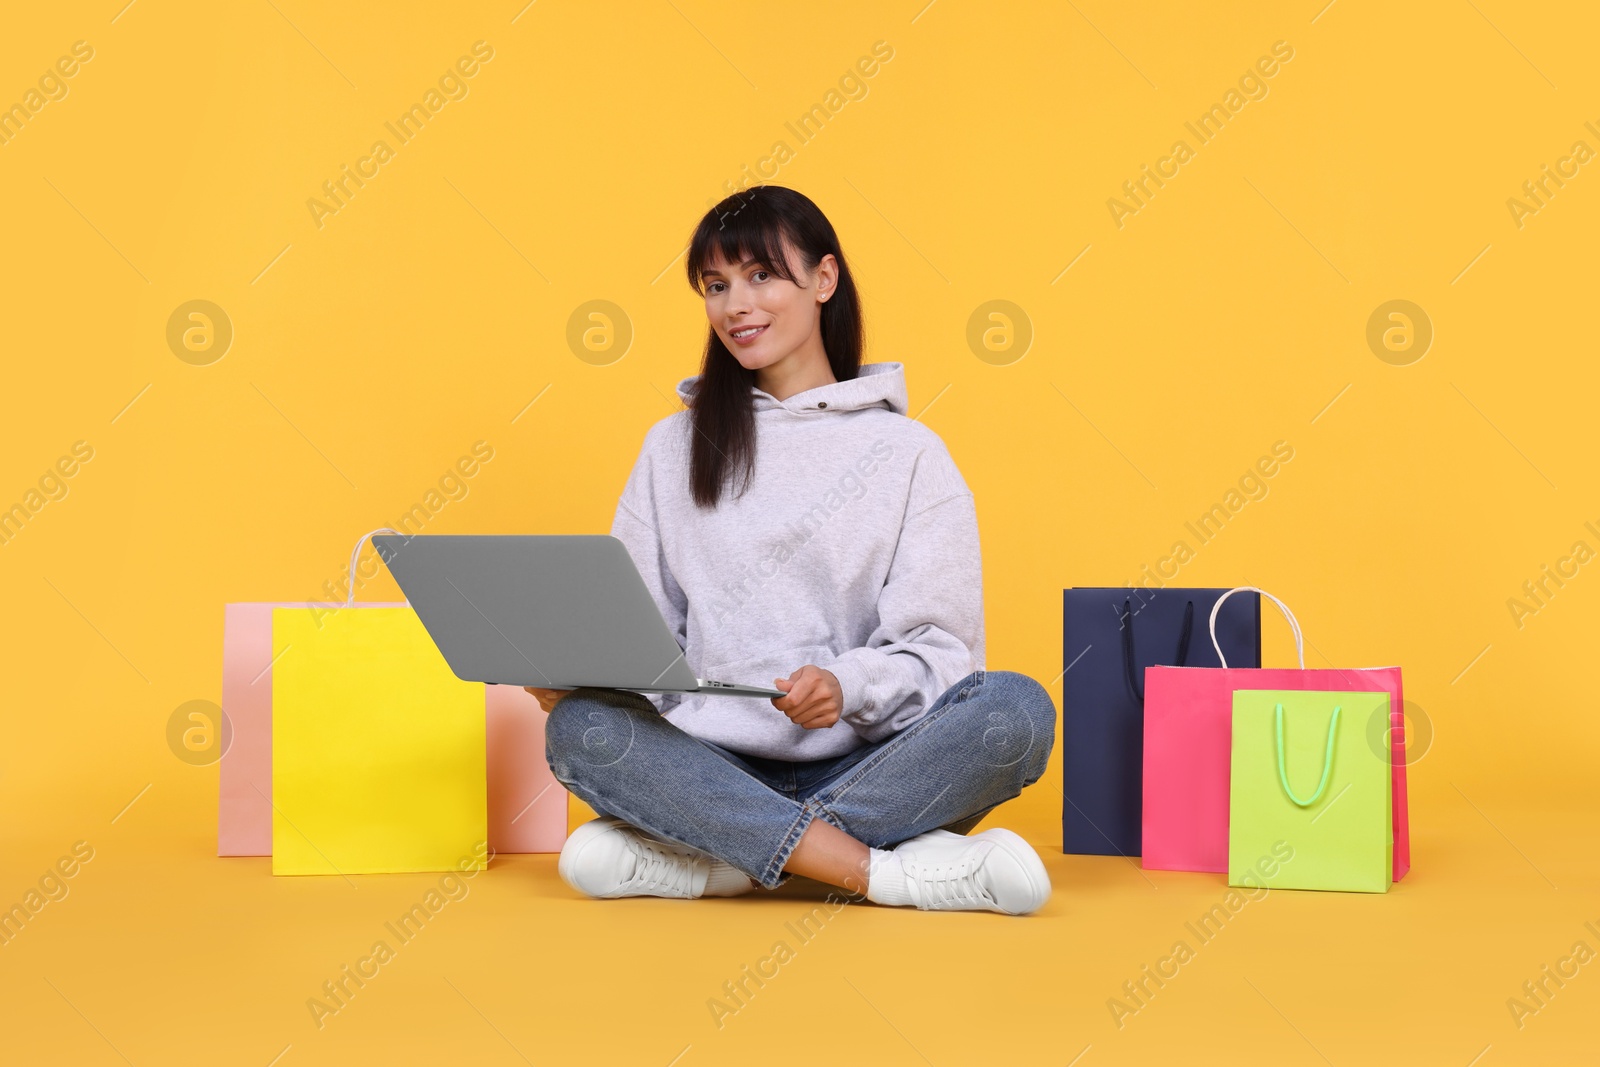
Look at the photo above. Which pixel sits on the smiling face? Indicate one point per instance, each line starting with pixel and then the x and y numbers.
pixel 765 319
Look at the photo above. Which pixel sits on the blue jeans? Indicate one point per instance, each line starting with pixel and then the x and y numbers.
pixel 977 746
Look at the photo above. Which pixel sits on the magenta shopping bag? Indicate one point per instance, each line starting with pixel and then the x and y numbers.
pixel 1188 745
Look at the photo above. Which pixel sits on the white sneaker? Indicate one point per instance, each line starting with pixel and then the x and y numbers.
pixel 607 857
pixel 995 870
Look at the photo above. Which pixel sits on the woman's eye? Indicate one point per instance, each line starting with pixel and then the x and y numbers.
pixel 759 273
pixel 712 287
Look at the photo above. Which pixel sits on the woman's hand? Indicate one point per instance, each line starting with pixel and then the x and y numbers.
pixel 814 698
pixel 548 698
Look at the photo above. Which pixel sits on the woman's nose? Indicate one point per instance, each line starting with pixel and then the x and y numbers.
pixel 738 300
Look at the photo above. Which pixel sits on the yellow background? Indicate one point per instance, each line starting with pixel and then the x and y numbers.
pixel 429 313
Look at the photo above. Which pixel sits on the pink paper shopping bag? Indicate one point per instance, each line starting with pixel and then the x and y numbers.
pixel 527 807
pixel 244 801
pixel 1188 744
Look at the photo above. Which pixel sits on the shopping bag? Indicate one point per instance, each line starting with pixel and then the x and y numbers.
pixel 1109 636
pixel 527 809
pixel 244 796
pixel 527 806
pixel 1188 733
pixel 1308 799
pixel 378 749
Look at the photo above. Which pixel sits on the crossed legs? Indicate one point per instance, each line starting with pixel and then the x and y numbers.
pixel 978 745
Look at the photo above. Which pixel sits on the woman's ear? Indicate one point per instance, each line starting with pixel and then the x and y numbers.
pixel 827 277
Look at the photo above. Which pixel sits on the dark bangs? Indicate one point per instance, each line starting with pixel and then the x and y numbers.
pixel 753 229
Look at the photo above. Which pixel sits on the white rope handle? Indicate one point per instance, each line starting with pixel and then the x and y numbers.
pixel 1294 624
pixel 355 557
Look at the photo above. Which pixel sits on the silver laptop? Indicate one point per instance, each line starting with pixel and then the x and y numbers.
pixel 557 611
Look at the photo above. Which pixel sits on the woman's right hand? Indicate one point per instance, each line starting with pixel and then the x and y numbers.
pixel 548 698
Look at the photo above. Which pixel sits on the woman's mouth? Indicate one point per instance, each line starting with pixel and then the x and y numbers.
pixel 745 335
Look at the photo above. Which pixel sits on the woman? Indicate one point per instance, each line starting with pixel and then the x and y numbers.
pixel 845 567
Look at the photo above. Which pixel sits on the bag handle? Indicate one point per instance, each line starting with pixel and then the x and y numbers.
pixel 355 557
pixel 1127 645
pixel 1327 760
pixel 1294 624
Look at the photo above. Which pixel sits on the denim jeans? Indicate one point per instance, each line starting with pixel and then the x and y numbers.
pixel 977 746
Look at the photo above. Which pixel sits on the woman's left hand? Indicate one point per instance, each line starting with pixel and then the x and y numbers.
pixel 814 698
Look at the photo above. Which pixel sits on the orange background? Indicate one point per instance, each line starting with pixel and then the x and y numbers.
pixel 435 309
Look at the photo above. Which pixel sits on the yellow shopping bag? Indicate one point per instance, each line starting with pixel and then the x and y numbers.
pixel 378 756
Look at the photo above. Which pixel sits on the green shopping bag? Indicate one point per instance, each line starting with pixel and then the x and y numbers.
pixel 1308 804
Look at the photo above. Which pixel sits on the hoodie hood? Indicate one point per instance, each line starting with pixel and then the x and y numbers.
pixel 876 385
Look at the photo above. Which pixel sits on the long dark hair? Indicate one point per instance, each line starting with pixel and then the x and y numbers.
pixel 752 225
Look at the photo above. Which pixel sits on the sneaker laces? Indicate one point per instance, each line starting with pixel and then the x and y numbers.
pixel 954 883
pixel 660 866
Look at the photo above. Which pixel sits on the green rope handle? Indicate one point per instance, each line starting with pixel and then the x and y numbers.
pixel 1327 762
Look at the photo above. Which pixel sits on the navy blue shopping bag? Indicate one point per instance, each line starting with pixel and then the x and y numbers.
pixel 1109 636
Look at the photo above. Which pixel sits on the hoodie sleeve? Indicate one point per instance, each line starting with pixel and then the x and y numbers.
pixel 636 527
pixel 930 614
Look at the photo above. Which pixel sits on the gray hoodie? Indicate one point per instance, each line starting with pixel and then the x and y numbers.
pixel 855 548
